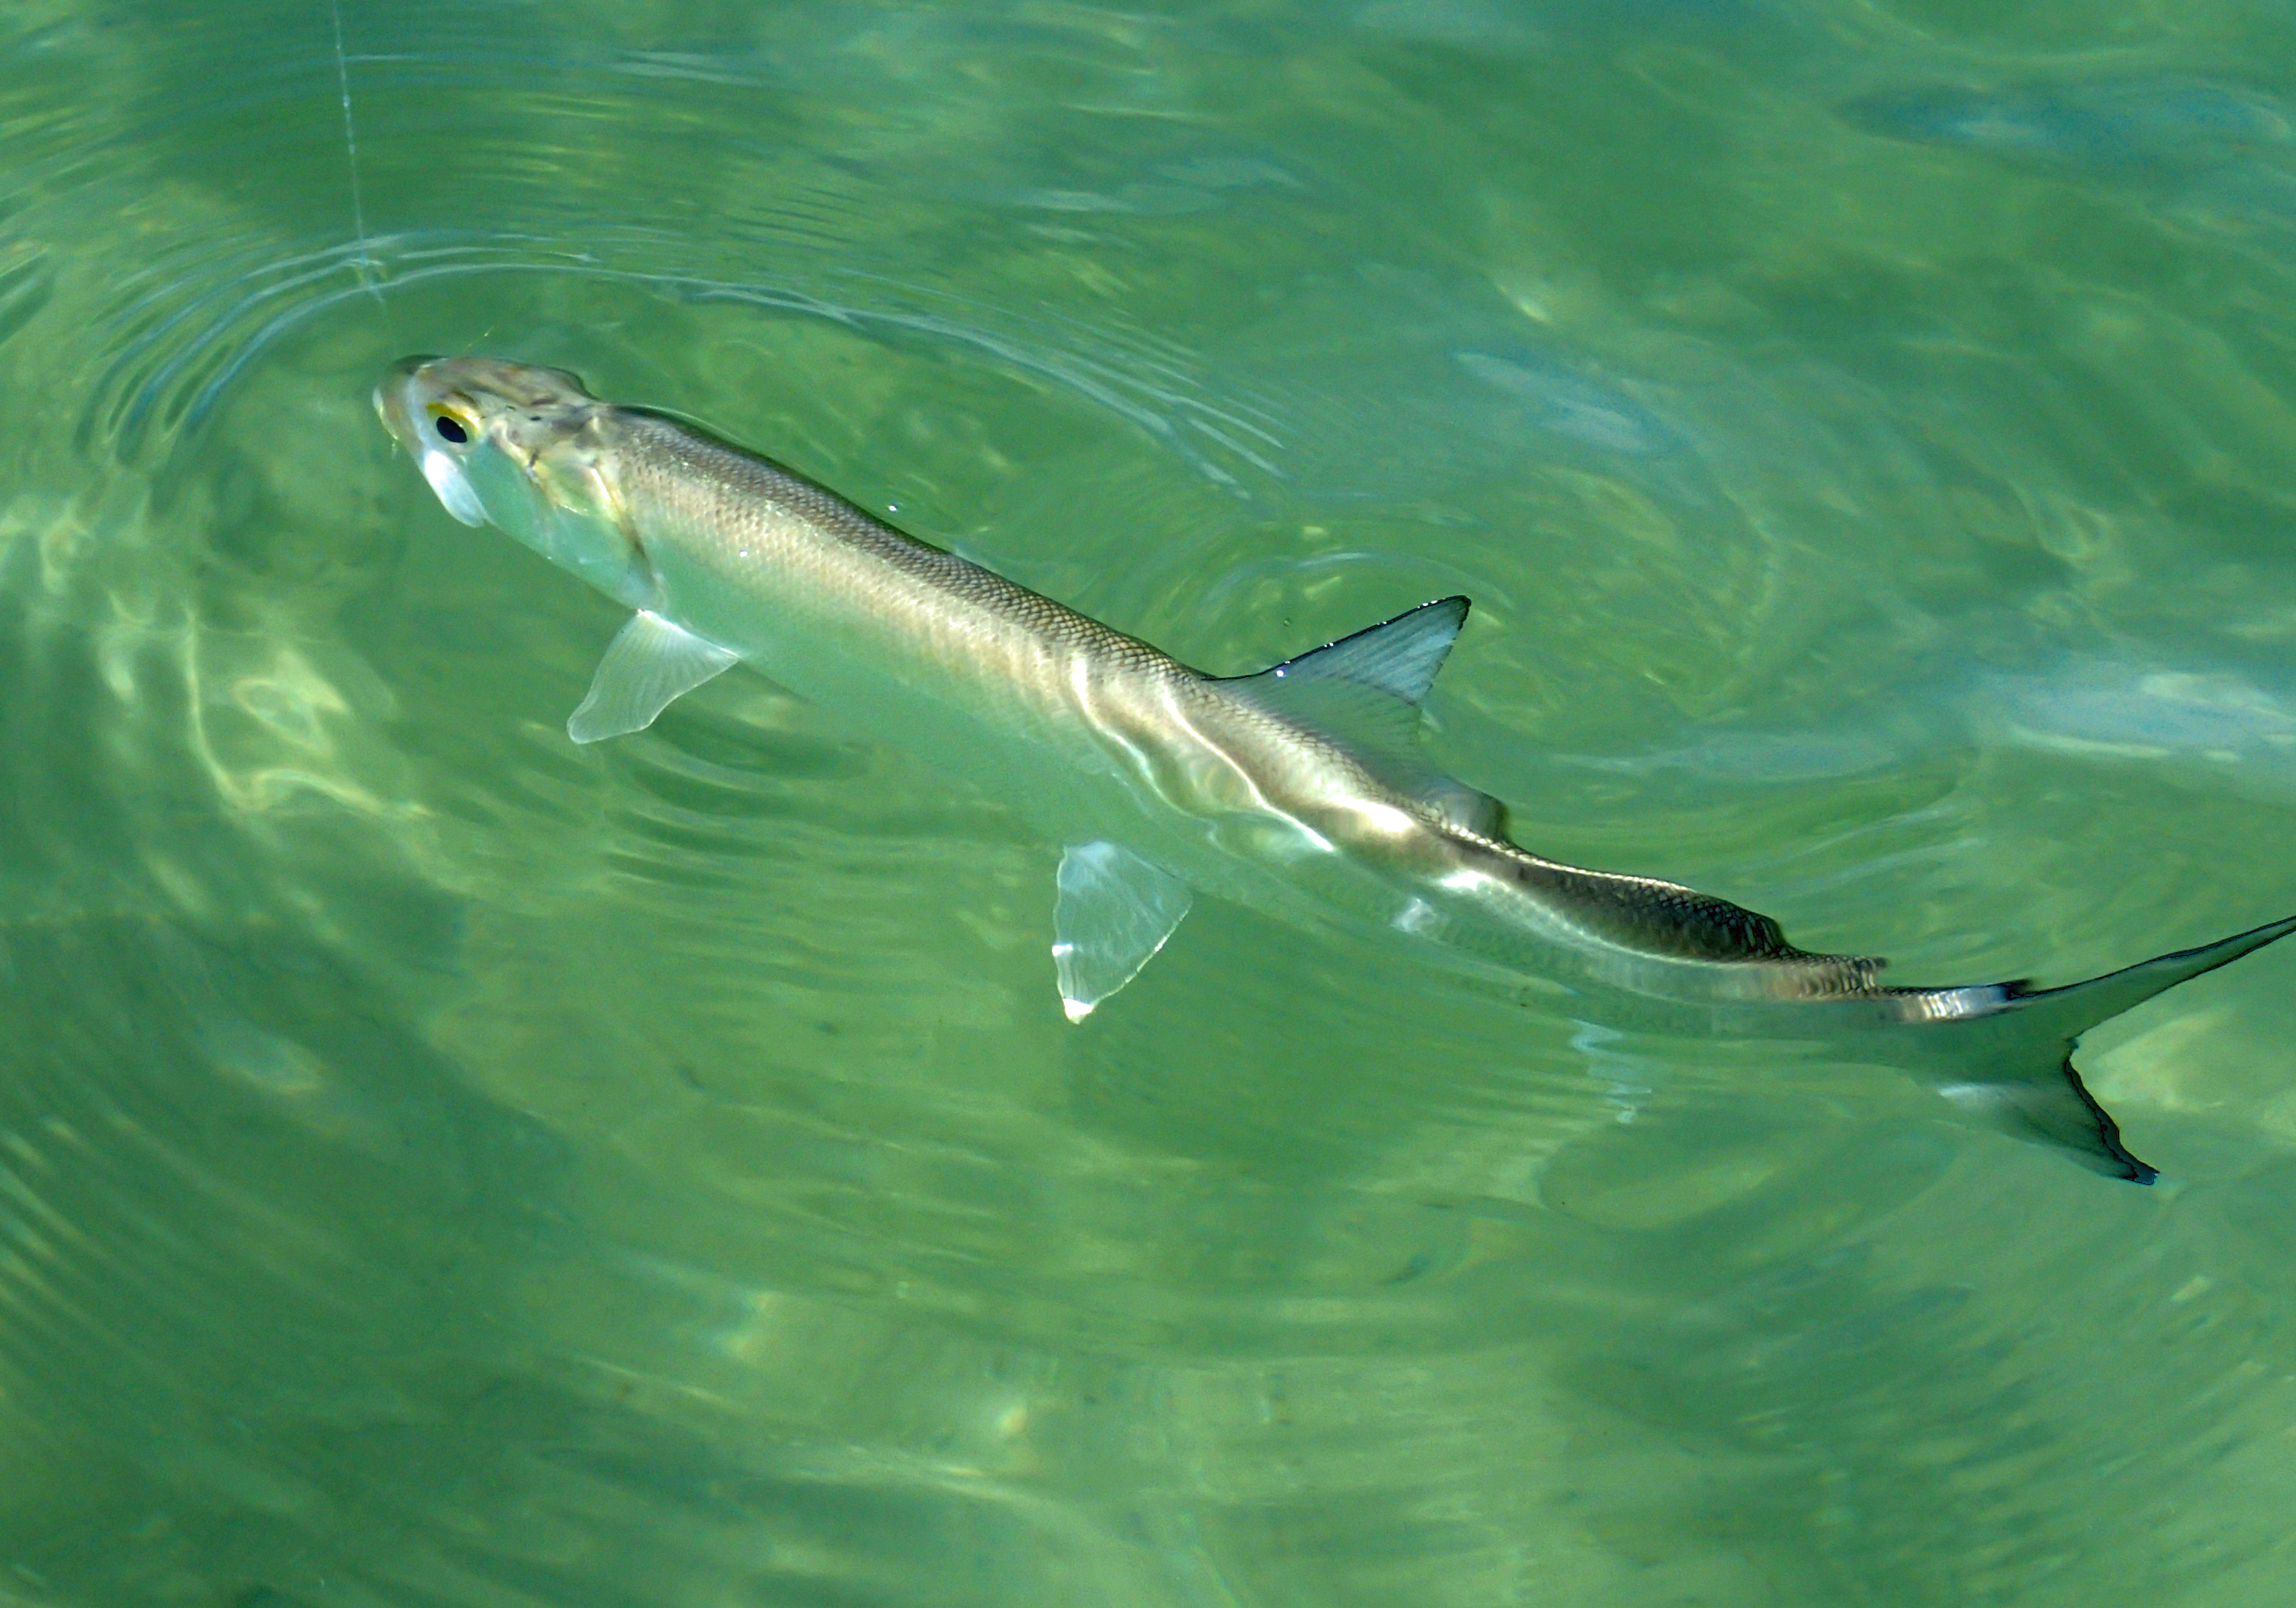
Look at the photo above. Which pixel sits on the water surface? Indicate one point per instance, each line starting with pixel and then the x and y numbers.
pixel 442 1166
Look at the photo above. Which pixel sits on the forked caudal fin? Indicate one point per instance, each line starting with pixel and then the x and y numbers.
pixel 2025 1076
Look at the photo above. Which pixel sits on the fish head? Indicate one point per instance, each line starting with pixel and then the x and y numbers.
pixel 518 447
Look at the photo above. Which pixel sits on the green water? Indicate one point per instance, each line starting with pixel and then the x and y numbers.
pixel 440 1166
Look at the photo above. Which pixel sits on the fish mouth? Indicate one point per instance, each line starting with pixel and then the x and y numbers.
pixel 404 399
pixel 397 405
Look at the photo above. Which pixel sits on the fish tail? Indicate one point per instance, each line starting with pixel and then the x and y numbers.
pixel 2079 1006
pixel 2032 1083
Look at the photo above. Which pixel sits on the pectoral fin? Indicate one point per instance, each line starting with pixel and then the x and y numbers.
pixel 651 665
pixel 1113 912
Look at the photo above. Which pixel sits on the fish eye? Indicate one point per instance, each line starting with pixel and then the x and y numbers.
pixel 450 429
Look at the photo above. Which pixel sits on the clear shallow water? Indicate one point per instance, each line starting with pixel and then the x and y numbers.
pixel 438 1165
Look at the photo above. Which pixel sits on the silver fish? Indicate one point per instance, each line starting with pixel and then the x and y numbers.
pixel 1296 791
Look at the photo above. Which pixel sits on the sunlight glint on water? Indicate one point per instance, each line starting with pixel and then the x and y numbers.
pixel 439 1165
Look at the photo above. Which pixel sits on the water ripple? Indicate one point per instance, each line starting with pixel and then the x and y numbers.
pixel 438 1164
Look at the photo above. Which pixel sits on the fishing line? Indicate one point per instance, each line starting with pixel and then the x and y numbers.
pixel 364 263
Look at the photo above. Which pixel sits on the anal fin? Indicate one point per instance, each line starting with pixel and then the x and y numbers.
pixel 1112 911
pixel 648 666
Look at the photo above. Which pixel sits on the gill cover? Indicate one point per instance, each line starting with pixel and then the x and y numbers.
pixel 453 486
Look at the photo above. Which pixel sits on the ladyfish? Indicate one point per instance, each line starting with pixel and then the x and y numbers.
pixel 1297 791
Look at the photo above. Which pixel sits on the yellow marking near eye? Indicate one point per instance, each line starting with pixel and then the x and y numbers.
pixel 466 423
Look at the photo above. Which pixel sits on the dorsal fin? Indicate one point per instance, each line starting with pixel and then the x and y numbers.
pixel 1398 657
pixel 1365 688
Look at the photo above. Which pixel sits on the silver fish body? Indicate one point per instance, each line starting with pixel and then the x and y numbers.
pixel 1296 791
